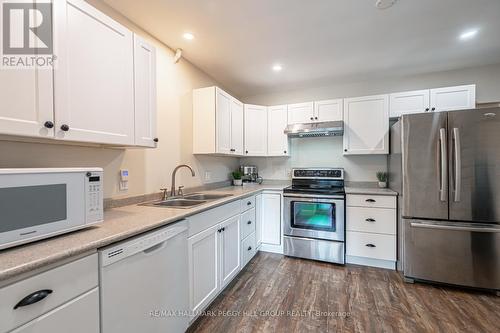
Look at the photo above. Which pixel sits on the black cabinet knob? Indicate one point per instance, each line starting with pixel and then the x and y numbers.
pixel 249 222
pixel 156 140
pixel 220 230
pixel 312 118
pixel 249 248
pixel 64 128
pixel 345 149
pixel 246 151
pixel 232 149
pixel 224 229
pixel 249 203
pixel 48 124
pixel 433 109
pixel 284 151
pixel 315 118
pixel 370 200
pixel 370 245
pixel 426 109
pixel 370 220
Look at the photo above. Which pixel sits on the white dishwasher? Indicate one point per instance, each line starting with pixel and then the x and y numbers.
pixel 144 283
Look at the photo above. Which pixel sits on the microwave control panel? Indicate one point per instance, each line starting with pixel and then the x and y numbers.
pixel 94 195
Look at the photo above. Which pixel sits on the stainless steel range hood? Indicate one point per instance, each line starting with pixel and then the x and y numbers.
pixel 328 128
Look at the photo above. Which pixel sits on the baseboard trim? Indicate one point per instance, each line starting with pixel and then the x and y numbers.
pixel 387 264
pixel 271 248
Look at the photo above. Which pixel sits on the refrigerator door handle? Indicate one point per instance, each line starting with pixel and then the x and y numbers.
pixel 444 164
pixel 458 164
pixel 486 228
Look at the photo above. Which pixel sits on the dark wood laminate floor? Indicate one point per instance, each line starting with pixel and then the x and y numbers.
pixel 280 294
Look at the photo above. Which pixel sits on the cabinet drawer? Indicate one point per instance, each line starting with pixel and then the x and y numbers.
pixel 80 315
pixel 247 223
pixel 66 282
pixel 365 200
pixel 248 249
pixel 375 220
pixel 247 203
pixel 375 246
pixel 202 221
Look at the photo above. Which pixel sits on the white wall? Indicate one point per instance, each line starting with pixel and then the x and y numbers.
pixel 327 152
pixel 485 77
pixel 149 169
pixel 319 152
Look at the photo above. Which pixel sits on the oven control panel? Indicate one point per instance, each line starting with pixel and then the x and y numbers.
pixel 323 173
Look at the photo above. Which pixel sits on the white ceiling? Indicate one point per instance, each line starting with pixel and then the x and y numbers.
pixel 319 41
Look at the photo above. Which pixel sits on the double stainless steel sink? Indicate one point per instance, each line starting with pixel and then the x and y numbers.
pixel 188 201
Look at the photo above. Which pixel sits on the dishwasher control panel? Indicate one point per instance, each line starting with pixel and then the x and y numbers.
pixel 147 243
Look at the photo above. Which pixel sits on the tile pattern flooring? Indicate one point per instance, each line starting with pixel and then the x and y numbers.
pixel 350 299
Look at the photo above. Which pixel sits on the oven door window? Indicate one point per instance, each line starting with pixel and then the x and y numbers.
pixel 30 206
pixel 313 215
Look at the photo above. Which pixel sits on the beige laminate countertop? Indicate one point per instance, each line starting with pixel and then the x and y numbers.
pixel 119 224
pixel 369 190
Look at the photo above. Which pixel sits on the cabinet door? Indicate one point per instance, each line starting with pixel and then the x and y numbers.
pixel 230 249
pixel 329 110
pixel 409 102
pixel 453 98
pixel 26 96
pixel 93 77
pixel 145 92
pixel 203 252
pixel 255 130
pixel 258 219
pixel 271 218
pixel 80 315
pixel 223 103
pixel 277 140
pixel 366 121
pixel 300 113
pixel 237 127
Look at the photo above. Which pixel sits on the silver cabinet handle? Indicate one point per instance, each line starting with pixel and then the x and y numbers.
pixel 455 227
pixel 444 164
pixel 458 164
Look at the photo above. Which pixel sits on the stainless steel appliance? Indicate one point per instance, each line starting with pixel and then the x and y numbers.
pixel 250 174
pixel 314 215
pixel 41 203
pixel 446 165
pixel 327 128
pixel 141 291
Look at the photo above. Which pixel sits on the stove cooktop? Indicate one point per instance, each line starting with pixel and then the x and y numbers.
pixel 321 181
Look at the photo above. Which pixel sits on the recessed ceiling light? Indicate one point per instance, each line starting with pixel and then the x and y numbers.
pixel 468 34
pixel 384 4
pixel 188 36
pixel 277 67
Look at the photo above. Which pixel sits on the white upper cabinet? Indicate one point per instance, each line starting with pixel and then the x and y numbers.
pixel 145 93
pixel 300 113
pixel 255 130
pixel 329 110
pixel 26 97
pixel 237 127
pixel 366 121
pixel 223 117
pixel 277 140
pixel 217 122
pixel 94 76
pixel 409 102
pixel 433 100
pixel 453 98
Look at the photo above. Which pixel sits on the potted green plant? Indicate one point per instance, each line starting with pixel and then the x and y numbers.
pixel 382 179
pixel 237 181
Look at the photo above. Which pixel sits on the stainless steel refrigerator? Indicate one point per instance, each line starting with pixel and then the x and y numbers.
pixel 446 166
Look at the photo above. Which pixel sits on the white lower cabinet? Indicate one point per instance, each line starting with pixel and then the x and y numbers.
pixel 270 220
pixel 229 249
pixel 203 252
pixel 371 230
pixel 248 249
pixel 80 315
pixel 67 300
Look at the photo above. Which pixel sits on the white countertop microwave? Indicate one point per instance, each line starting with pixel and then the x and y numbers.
pixel 41 203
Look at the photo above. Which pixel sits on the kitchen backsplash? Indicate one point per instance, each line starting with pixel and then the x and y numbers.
pixel 319 152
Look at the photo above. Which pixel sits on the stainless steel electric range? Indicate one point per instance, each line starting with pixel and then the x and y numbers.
pixel 314 215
